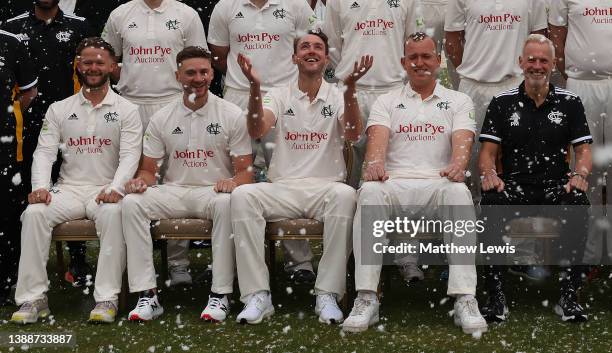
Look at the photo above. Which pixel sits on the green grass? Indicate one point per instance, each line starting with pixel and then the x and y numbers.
pixel 413 319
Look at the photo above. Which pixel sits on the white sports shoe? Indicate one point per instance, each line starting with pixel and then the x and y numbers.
pixel 363 315
pixel 29 312
pixel 179 275
pixel 147 308
pixel 258 308
pixel 103 312
pixel 327 309
pixel 467 316
pixel 216 310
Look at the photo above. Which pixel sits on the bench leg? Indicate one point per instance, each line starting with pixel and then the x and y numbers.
pixel 272 262
pixel 61 267
pixel 164 261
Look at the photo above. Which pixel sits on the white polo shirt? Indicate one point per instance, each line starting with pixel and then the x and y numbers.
pixel 589 37
pixel 308 139
pixel 100 145
pixel 494 34
pixel 420 140
pixel 198 144
pixel 265 35
pixel 370 27
pixel 148 41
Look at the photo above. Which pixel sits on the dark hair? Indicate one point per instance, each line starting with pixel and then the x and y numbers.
pixel 95 42
pixel 314 32
pixel 192 52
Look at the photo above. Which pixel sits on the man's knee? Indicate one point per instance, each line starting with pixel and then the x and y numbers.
pixel 130 203
pixel 372 193
pixel 221 202
pixel 456 194
pixel 109 211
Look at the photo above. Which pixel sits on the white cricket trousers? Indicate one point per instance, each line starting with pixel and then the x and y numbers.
pixel 297 252
pixel 70 202
pixel 596 96
pixel 178 250
pixel 167 202
pixel 332 203
pixel 389 196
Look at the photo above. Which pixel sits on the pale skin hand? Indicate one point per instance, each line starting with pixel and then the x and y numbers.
pixel 577 183
pixel 491 181
pixel 359 69
pixel 39 196
pixel 375 172
pixel 225 185
pixel 454 173
pixel 108 197
pixel 247 69
pixel 135 186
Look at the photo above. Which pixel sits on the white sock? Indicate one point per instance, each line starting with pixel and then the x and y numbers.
pixel 367 295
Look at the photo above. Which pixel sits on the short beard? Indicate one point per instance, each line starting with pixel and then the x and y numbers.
pixel 96 86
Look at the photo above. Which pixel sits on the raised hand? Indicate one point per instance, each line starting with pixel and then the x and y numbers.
pixel 360 69
pixel 248 70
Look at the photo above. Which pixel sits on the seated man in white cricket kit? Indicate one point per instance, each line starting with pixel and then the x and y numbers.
pixel 310 119
pixel 209 151
pixel 100 135
pixel 419 141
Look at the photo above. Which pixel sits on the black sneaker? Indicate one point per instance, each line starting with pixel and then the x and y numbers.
pixel 303 277
pixel 495 309
pixel 568 307
pixel 534 273
pixel 79 274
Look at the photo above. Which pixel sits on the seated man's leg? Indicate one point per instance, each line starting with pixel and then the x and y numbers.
pixel 38 221
pixel 334 204
pixel 573 209
pixel 111 258
pixel 251 206
pixel 374 203
pixel 456 205
pixel 495 221
pixel 137 211
pixel 218 209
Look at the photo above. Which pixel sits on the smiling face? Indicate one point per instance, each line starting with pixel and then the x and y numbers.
pixel 310 55
pixel 537 63
pixel 421 62
pixel 195 76
pixel 95 66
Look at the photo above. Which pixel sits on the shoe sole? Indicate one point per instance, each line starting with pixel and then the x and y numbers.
pixel 100 319
pixel 330 321
pixel 573 318
pixel 23 321
pixel 471 330
pixel 209 318
pixel 358 329
pixel 135 317
pixel 265 315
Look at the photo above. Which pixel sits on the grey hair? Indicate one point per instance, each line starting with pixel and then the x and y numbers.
pixel 538 38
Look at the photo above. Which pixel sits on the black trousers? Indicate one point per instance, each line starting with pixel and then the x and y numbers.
pixel 14 202
pixel 545 199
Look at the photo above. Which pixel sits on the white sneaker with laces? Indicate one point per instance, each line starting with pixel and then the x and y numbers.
pixel 216 310
pixel 147 308
pixel 258 307
pixel 363 315
pixel 467 316
pixel 29 312
pixel 179 275
pixel 327 309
